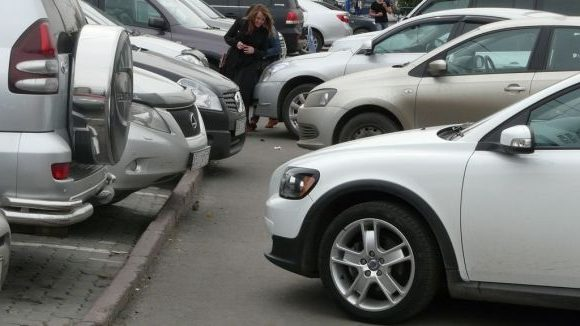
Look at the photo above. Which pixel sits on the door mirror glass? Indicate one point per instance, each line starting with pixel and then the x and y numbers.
pixel 517 140
pixel 157 22
pixel 437 68
pixel 367 47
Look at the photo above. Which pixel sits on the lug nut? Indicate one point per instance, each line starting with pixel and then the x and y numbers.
pixel 367 273
pixel 372 253
pixel 363 262
pixel 379 273
pixel 382 261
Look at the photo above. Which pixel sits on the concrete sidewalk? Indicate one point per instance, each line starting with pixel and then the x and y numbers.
pixel 116 295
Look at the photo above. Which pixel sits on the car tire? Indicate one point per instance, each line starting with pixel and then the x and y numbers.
pixel 391 278
pixel 365 125
pixel 318 39
pixel 293 100
pixel 360 31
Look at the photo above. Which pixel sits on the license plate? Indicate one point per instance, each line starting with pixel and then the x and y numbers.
pixel 240 126
pixel 200 158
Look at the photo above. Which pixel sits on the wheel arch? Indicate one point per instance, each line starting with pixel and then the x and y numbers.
pixel 290 84
pixel 363 109
pixel 340 198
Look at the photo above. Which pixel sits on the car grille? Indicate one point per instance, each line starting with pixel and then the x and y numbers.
pixel 187 119
pixel 232 104
pixel 307 131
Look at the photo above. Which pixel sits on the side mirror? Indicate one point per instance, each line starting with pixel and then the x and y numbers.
pixel 157 22
pixel 517 140
pixel 437 68
pixel 367 47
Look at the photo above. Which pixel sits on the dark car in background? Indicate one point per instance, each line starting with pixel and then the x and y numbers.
pixel 170 19
pixel 288 17
pixel 217 98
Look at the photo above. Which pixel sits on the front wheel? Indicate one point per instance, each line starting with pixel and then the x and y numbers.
pixel 365 125
pixel 379 262
pixel 292 103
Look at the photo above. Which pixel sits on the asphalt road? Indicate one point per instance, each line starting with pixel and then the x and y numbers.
pixel 213 272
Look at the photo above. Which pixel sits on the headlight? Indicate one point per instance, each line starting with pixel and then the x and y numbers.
pixel 298 182
pixel 320 97
pixel 204 97
pixel 272 69
pixel 148 117
pixel 190 58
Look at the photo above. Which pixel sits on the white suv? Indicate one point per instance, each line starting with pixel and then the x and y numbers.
pixel 489 209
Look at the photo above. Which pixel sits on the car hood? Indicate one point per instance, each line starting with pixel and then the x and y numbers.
pixel 157 91
pixel 176 70
pixel 383 77
pixel 353 42
pixel 419 140
pixel 301 58
pixel 159 45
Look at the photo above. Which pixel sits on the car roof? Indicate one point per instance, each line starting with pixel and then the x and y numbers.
pixel 506 13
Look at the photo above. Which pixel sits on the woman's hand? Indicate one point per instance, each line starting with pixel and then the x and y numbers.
pixel 249 49
pixel 240 46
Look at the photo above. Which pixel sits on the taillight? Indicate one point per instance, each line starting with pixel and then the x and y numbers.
pixel 33 63
pixel 343 18
pixel 60 171
pixel 292 17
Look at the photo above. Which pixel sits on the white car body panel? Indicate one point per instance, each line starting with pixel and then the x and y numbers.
pixel 325 21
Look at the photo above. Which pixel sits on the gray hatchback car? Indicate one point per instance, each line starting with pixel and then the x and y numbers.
pixel 170 19
pixel 63 110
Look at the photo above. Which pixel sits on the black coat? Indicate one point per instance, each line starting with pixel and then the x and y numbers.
pixel 244 69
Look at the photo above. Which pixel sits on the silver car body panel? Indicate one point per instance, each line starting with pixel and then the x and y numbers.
pixel 152 155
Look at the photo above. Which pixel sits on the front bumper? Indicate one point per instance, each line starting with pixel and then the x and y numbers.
pixel 317 125
pixel 220 127
pixel 267 94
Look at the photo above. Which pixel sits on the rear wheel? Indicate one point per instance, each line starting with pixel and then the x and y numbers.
pixel 292 104
pixel 379 262
pixel 365 125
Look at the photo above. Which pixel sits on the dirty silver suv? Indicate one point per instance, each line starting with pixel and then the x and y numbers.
pixel 64 104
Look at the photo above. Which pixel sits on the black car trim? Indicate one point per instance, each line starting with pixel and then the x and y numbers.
pixel 302 251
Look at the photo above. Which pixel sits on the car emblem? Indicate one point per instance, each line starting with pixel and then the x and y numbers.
pixel 193 120
pixel 239 102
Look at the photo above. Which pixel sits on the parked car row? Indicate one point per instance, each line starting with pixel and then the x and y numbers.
pixel 88 117
pixel 484 210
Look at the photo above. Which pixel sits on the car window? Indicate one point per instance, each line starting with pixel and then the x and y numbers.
pixel 556 124
pixel 500 52
pixel 524 4
pixel 182 14
pixel 208 10
pixel 469 26
pixel 564 50
pixel 564 7
pixel 416 39
pixel 438 5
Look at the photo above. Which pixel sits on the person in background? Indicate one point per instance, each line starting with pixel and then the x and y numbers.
pixel 379 10
pixel 249 38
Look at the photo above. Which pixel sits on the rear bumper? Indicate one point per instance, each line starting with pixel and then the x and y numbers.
pixel 51 212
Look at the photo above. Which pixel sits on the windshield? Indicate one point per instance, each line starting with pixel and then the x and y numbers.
pixel 206 9
pixel 181 12
pixel 97 16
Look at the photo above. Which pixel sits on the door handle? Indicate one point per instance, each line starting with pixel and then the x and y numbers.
pixel 514 88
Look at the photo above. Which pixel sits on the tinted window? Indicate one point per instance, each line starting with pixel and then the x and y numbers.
pixel 564 50
pixel 565 7
pixel 556 124
pixel 182 14
pixel 499 52
pixel 524 4
pixel 469 26
pixel 416 39
pixel 205 8
pixel 443 5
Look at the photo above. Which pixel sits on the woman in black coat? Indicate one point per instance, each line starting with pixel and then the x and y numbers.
pixel 248 38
